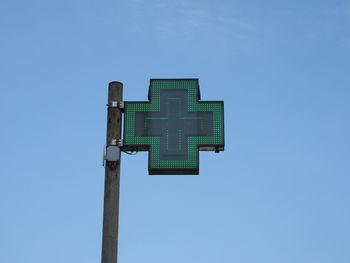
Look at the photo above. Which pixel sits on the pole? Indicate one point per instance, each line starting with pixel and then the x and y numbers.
pixel 112 179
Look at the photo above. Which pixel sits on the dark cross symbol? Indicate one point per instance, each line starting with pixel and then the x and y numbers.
pixel 174 126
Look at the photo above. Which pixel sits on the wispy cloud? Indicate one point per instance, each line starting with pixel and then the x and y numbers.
pixel 185 19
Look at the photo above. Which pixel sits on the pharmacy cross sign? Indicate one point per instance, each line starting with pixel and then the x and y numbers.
pixel 174 126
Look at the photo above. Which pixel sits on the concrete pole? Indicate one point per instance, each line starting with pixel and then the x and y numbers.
pixel 112 179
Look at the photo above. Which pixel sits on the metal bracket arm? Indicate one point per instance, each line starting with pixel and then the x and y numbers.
pixel 116 104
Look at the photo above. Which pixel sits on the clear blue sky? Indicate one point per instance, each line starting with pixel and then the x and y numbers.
pixel 280 191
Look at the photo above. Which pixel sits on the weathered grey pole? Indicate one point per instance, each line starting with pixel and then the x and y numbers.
pixel 112 178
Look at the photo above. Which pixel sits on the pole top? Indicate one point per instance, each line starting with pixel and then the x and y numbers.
pixel 115 91
pixel 115 84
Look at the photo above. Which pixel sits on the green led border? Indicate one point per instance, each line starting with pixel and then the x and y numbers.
pixel 153 142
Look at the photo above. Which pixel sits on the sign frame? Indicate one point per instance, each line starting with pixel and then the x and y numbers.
pixel 172 170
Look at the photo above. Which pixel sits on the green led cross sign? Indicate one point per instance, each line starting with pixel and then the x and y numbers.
pixel 174 126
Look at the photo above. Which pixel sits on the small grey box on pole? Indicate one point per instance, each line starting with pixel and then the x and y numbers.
pixel 112 178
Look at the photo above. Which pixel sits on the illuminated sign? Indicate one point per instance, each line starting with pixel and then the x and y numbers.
pixel 173 126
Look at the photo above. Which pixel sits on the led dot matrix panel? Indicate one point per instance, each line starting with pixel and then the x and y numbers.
pixel 173 126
